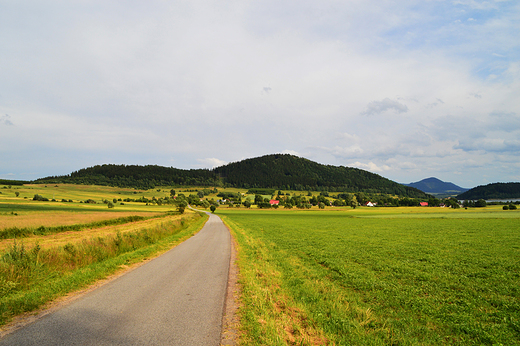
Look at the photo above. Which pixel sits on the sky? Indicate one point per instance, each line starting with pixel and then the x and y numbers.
pixel 405 89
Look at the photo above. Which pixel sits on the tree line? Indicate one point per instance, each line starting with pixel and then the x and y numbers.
pixel 492 191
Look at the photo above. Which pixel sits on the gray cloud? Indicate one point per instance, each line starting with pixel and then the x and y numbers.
pixel 378 107
pixel 6 120
pixel 491 145
pixel 435 104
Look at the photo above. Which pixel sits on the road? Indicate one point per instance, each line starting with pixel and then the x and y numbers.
pixel 175 299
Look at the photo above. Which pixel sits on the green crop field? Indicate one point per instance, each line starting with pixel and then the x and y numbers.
pixel 378 276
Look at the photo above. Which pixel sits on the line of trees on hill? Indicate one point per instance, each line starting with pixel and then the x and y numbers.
pixel 139 177
pixel 492 191
pixel 13 182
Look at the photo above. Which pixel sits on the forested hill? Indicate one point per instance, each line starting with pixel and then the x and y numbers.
pixel 492 191
pixel 278 171
pixel 142 177
pixel 288 172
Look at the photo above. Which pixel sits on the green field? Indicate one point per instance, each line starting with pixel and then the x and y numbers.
pixel 378 276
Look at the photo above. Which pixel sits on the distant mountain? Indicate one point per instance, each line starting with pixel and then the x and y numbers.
pixel 277 171
pixel 492 191
pixel 436 186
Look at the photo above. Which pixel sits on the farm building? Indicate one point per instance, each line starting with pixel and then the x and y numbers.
pixel 424 204
pixel 274 202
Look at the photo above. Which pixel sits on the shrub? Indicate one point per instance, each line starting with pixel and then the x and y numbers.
pixel 512 207
pixel 40 198
pixel 505 207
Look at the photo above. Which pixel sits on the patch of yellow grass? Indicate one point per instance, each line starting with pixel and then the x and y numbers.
pixel 60 239
pixel 34 219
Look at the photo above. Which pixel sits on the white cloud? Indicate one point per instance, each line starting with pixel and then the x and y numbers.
pixel 291 152
pixel 212 162
pixel 370 166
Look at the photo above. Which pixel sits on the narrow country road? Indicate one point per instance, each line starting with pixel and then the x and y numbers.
pixel 175 299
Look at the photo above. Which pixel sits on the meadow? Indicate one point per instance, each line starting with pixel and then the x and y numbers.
pixel 378 276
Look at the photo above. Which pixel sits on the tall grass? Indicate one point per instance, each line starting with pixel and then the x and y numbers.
pixel 31 277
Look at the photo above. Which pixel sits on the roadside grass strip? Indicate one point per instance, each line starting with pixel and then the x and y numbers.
pixel 268 314
pixel 31 277
pixel 332 278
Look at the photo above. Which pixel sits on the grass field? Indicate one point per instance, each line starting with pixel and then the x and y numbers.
pixel 378 276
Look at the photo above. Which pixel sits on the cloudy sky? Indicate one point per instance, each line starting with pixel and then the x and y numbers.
pixel 406 89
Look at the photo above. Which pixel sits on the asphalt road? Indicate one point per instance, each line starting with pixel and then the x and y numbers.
pixel 175 299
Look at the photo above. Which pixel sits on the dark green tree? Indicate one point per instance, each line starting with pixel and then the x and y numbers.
pixel 480 203
pixel 258 199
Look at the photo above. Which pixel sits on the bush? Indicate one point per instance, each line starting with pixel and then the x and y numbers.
pixel 505 207
pixel 40 198
pixel 512 207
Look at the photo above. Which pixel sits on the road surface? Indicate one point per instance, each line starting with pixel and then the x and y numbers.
pixel 175 299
